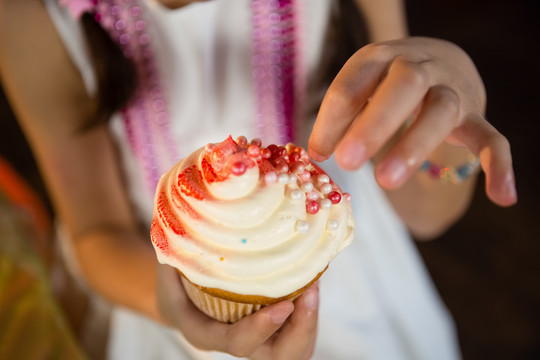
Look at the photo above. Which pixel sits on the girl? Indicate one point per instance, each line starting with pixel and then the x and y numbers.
pixel 104 123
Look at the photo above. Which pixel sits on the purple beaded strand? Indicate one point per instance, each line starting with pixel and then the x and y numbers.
pixel 274 61
pixel 145 118
pixel 146 121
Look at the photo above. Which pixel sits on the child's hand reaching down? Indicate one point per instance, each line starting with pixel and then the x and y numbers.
pixel 383 85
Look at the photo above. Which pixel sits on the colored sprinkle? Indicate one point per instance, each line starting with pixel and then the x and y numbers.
pixel 326 204
pixel 283 178
pixel 323 179
pixel 334 197
pixel 270 178
pixel 244 241
pixel 302 226
pixel 266 153
pixel 312 207
pixel 307 186
pixel 221 258
pixel 332 224
pixel 238 168
pixel 241 140
pixel 253 151
pixel 312 195
pixel 326 188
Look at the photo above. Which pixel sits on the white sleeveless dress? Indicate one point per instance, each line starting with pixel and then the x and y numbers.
pixel 377 301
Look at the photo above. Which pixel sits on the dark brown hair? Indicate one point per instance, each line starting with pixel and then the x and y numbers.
pixel 117 81
pixel 116 78
pixel 346 33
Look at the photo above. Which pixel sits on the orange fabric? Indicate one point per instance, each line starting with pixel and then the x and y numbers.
pixel 32 323
pixel 20 194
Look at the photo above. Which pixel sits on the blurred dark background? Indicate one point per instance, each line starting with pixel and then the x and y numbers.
pixel 486 267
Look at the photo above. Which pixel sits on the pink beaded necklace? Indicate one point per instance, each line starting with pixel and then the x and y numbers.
pixel 146 118
pixel 275 68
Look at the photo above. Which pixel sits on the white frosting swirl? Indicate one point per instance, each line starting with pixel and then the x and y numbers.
pixel 259 241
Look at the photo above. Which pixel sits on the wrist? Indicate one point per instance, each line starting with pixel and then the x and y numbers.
pixel 119 266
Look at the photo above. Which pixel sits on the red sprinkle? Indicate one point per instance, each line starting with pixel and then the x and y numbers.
pixel 266 153
pixel 279 162
pixel 241 140
pixel 334 197
pixel 253 151
pixel 238 168
pixel 281 151
pixel 312 207
pixel 272 147
pixel 295 156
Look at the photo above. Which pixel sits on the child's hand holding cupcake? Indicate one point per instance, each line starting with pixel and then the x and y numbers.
pixel 284 330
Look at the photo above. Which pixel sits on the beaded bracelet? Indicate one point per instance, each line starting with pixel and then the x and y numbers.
pixel 451 174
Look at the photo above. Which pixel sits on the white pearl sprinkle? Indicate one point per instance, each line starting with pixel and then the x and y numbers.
pixel 296 194
pixel 326 188
pixel 305 176
pixel 323 179
pixel 313 195
pixel 326 204
pixel 292 178
pixel 282 168
pixel 270 178
pixel 332 224
pixel 302 226
pixel 283 178
pixel 307 186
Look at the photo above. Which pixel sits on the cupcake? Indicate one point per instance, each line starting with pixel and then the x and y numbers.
pixel 247 226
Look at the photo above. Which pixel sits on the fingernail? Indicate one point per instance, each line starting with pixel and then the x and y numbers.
pixel 510 187
pixel 316 156
pixel 279 314
pixel 351 155
pixel 311 300
pixel 392 173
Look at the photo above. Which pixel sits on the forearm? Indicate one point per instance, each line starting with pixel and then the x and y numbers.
pixel 429 206
pixel 385 19
pixel 121 266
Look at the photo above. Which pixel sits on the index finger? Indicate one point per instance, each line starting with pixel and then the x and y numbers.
pixel 344 99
